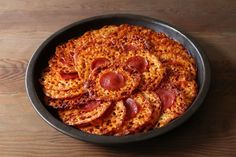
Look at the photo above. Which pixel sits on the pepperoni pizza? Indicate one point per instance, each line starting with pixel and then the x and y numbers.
pixel 120 80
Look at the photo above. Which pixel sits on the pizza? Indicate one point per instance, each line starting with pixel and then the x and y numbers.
pixel 120 80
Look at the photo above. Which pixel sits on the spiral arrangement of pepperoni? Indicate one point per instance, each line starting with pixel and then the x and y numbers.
pixel 120 80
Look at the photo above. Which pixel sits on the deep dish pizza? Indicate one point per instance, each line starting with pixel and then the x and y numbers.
pixel 120 80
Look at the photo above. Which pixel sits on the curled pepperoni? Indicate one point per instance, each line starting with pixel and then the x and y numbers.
pixel 138 63
pixel 112 81
pixel 98 62
pixel 66 76
pixel 132 108
pixel 167 97
pixel 90 105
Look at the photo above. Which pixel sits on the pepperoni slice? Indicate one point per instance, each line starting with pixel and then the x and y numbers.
pixel 167 97
pixel 90 106
pixel 130 48
pixel 67 59
pixel 98 62
pixel 112 81
pixel 67 76
pixel 138 63
pixel 132 108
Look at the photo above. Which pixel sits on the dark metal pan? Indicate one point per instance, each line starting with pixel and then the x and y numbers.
pixel 42 55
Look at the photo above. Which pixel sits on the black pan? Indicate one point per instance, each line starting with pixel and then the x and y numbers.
pixel 42 55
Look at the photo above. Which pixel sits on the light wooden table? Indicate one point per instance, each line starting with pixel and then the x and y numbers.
pixel 25 24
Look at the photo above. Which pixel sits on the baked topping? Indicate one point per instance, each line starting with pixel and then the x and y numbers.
pixel 90 105
pixel 132 108
pixel 138 63
pixel 98 62
pixel 112 81
pixel 66 76
pixel 167 97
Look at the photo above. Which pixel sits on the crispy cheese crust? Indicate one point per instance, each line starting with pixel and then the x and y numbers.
pixel 132 80
pixel 154 73
pixel 109 122
pixel 154 99
pixel 86 57
pixel 113 64
pixel 79 116
pixel 141 119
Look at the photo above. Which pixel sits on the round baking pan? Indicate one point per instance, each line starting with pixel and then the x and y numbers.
pixel 41 57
